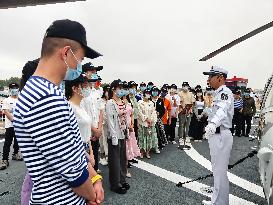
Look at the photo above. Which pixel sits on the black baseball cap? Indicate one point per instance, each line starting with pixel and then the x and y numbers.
pixel 81 79
pixel 142 84
pixel 209 89
pixel 166 85
pixel 116 83
pixel 132 84
pixel 237 92
pixel 185 84
pixel 173 86
pixel 124 84
pixel 198 90
pixel 147 91
pixel 72 30
pixel 198 87
pixel 164 90
pixel 90 66
pixel 155 89
pixel 13 85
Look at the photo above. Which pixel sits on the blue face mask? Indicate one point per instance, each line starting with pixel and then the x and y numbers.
pixel 132 91
pixel 246 94
pixel 149 87
pixel 120 93
pixel 126 92
pixel 72 74
pixel 14 92
pixel 154 93
pixel 94 76
pixel 142 88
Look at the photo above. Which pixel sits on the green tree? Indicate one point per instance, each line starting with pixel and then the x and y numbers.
pixel 6 82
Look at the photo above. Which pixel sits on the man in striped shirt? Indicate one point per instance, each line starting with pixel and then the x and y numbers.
pixel 45 125
pixel 237 118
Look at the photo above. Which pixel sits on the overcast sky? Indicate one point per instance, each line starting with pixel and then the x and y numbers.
pixel 150 40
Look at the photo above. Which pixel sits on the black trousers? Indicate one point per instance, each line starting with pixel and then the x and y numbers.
pixel 197 126
pixel 237 122
pixel 117 164
pixel 95 146
pixel 9 136
pixel 167 131
pixel 172 127
pixel 136 128
pixel 246 120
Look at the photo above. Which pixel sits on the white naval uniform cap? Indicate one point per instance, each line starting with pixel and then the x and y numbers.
pixel 215 70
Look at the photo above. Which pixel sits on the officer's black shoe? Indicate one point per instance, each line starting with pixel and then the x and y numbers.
pixel 238 135
pixel 126 186
pixel 247 135
pixel 120 190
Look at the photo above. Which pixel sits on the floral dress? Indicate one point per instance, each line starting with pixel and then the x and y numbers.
pixel 132 149
pixel 147 136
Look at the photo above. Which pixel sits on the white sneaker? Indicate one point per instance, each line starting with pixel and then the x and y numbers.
pixel 188 140
pixel 204 202
pixel 157 151
pixel 180 140
pixel 103 162
pixel 174 142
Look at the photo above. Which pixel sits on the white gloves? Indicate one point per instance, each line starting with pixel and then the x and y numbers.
pixel 210 130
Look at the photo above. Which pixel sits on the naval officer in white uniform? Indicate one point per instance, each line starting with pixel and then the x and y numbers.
pixel 218 134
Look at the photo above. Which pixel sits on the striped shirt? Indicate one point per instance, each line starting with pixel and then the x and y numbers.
pixel 238 104
pixel 49 139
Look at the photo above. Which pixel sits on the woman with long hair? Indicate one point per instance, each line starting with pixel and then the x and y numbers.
pixel 132 149
pixel 75 91
pixel 147 137
pixel 116 119
pixel 160 111
pixel 105 130
pixel 198 120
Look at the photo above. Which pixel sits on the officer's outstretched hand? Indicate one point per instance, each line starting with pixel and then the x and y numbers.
pixel 210 130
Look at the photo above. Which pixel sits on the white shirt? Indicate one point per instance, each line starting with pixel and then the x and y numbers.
pixel 93 105
pixel 223 108
pixel 199 105
pixel 174 110
pixel 9 105
pixel 84 122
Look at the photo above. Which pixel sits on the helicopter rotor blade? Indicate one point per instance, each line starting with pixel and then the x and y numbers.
pixel 238 40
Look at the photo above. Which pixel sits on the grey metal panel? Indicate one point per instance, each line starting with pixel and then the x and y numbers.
pixel 19 3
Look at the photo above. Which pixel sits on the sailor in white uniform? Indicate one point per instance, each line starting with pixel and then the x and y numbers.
pixel 219 136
